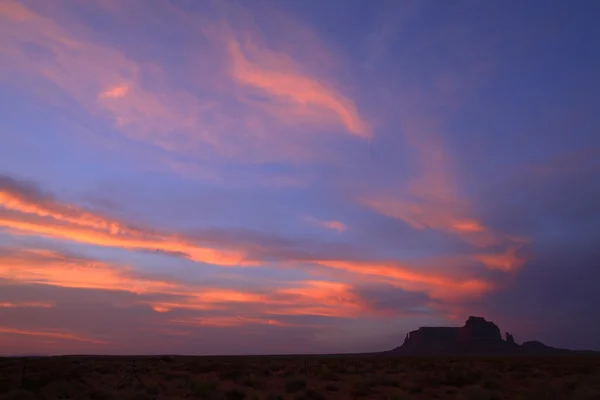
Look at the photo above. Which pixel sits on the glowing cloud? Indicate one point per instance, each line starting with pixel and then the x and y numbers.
pixel 437 286
pixel 25 305
pixel 228 321
pixel 52 268
pixel 289 84
pixel 50 334
pixel 44 217
pixel 333 225
pixel 114 92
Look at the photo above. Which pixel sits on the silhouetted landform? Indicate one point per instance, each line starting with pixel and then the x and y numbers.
pixel 477 337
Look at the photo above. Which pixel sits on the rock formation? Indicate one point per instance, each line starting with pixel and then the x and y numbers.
pixel 509 338
pixel 476 331
pixel 476 337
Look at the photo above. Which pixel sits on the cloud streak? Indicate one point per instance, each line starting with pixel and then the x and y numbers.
pixel 51 335
pixel 38 215
pixel 300 90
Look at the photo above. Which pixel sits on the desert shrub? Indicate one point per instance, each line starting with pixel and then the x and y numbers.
pixel 384 380
pixel 416 388
pixel 104 369
pixel 275 367
pixel 350 369
pixel 476 392
pixel 202 367
pixel 100 395
pixel 18 394
pixel 330 387
pixel 7 384
pixel 139 396
pixel 273 396
pixel 310 394
pixel 253 382
pixel 61 390
pixel 203 387
pixel 127 394
pixel 172 375
pixel 330 376
pixel 361 388
pixel 585 393
pixel 293 385
pixel 461 377
pixel 235 394
pixel 397 396
pixel 232 373
pixel 153 389
pixel 491 383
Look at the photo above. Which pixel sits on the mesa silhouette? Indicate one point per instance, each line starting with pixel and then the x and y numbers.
pixel 477 337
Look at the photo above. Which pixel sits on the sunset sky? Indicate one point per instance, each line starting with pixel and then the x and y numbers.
pixel 296 176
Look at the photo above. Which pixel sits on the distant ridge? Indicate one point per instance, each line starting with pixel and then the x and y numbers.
pixel 477 337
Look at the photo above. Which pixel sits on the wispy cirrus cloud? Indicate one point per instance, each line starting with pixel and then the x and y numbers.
pixel 116 91
pixel 29 211
pixel 432 199
pixel 280 80
pixel 328 224
pixel 51 335
pixel 111 85
pixel 25 305
pixel 438 286
pixel 46 267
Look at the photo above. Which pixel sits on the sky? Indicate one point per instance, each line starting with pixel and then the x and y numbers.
pixel 265 177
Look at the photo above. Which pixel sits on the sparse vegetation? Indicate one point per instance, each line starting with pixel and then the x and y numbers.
pixel 280 378
pixel 204 388
pixel 235 394
pixel 295 384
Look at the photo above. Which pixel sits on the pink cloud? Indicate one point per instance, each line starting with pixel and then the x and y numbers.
pixel 115 91
pixel 282 81
pixel 436 285
pixel 331 224
pixel 431 199
pixel 43 217
pixel 50 334
pixel 25 305
pixel 109 84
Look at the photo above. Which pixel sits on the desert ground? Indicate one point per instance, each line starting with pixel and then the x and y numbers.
pixel 299 377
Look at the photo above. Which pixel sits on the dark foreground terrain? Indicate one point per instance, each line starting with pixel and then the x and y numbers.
pixel 300 377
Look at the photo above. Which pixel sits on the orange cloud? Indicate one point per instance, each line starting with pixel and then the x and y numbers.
pixel 307 298
pixel 43 217
pixel 25 305
pixel 15 11
pixel 115 91
pixel 50 334
pixel 51 268
pixel 333 225
pixel 281 80
pixel 228 321
pixel 450 220
pixel 95 74
pixel 447 217
pixel 82 226
pixel 437 286
pixel 108 83
pixel 40 266
pixel 431 199
pixel 507 260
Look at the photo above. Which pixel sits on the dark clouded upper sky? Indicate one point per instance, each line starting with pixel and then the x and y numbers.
pixel 217 177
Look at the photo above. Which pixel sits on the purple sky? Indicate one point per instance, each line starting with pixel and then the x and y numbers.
pixel 247 177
